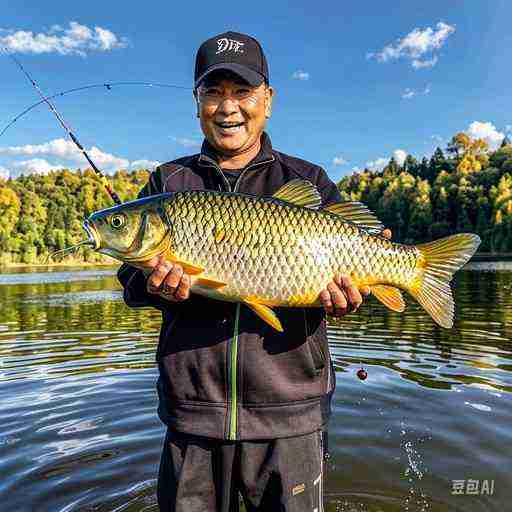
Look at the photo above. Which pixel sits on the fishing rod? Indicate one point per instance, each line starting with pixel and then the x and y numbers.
pixel 107 85
pixel 100 175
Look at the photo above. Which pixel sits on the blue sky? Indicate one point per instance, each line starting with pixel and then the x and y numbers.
pixel 355 81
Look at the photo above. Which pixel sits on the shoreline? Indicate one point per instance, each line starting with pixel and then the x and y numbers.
pixel 11 266
pixel 484 256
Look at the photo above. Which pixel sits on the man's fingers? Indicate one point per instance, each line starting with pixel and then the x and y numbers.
pixel 351 291
pixel 325 299
pixel 365 290
pixel 183 290
pixel 338 298
pixel 156 277
pixel 172 280
pixel 386 233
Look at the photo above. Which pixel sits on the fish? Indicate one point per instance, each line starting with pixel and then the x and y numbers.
pixel 280 250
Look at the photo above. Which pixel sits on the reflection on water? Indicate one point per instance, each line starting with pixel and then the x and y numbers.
pixel 78 423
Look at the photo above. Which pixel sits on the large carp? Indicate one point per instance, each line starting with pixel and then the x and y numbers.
pixel 281 250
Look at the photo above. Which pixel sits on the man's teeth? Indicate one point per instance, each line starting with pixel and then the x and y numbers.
pixel 230 127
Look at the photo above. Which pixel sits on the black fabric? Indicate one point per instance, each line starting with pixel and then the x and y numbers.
pixel 285 381
pixel 198 474
pixel 232 175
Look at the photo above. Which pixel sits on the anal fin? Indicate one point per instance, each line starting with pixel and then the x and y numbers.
pixel 390 296
pixel 265 313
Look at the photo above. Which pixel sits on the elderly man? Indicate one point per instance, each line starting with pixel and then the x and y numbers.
pixel 245 406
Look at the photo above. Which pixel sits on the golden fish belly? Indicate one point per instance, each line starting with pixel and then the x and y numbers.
pixel 280 253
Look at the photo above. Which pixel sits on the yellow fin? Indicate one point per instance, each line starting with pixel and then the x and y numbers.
pixel 265 313
pixel 299 192
pixel 357 213
pixel 440 260
pixel 390 296
pixel 209 283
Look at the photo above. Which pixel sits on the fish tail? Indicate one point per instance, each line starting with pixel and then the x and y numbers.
pixel 439 260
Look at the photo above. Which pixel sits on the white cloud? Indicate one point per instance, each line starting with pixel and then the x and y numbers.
pixel 65 149
pixel 300 75
pixel 339 160
pixel 429 63
pixel 186 142
pixel 77 39
pixel 408 94
pixel 508 128
pixel 399 155
pixel 416 46
pixel 377 165
pixel 486 131
pixel 144 164
pixel 4 173
pixel 437 138
pixel 34 165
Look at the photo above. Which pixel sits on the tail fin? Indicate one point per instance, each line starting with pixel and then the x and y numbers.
pixel 441 259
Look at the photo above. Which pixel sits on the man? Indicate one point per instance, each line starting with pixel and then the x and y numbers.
pixel 245 405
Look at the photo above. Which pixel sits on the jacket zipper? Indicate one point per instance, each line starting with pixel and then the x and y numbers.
pixel 233 373
pixel 233 349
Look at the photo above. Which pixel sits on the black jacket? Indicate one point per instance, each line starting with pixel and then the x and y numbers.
pixel 224 373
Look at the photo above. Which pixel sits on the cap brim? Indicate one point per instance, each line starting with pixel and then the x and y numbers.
pixel 251 77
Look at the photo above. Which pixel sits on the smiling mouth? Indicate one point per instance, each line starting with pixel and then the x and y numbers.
pixel 229 127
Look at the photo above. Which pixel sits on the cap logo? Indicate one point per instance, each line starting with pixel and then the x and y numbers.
pixel 229 45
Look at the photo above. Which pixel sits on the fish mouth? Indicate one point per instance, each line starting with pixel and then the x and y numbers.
pixel 94 238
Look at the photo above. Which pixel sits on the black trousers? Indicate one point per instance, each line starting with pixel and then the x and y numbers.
pixel 199 474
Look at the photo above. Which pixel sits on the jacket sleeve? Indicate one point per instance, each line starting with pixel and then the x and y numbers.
pixel 328 190
pixel 132 279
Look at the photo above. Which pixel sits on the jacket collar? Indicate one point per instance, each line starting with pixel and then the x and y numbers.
pixel 208 153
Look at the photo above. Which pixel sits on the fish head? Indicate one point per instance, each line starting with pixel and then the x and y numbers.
pixel 133 231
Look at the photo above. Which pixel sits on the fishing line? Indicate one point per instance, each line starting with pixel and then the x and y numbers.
pixel 68 250
pixel 106 85
pixel 100 175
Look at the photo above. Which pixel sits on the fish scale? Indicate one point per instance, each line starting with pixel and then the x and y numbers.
pixel 281 253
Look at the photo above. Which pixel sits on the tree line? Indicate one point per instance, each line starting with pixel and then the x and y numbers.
pixel 465 188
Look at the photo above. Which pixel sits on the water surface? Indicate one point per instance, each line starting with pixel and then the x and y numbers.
pixel 79 429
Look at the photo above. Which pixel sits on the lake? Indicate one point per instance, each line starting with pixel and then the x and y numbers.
pixel 430 429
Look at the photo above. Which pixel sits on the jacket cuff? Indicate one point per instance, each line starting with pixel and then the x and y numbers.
pixel 135 292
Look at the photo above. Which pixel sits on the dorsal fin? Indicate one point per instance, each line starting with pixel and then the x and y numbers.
pixel 299 192
pixel 357 213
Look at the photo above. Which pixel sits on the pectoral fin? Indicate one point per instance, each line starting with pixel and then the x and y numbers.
pixel 390 296
pixel 265 313
pixel 209 283
pixel 188 268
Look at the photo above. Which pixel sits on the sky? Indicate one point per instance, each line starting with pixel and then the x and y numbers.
pixel 355 82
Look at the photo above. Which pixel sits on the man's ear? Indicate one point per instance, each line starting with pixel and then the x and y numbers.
pixel 196 98
pixel 269 96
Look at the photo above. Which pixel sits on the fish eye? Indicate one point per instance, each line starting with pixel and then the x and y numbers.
pixel 118 221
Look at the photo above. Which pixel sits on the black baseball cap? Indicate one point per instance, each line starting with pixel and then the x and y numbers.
pixel 235 52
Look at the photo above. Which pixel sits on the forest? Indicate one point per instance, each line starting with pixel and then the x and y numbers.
pixel 464 188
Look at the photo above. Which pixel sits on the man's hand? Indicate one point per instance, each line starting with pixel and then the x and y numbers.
pixel 342 296
pixel 166 279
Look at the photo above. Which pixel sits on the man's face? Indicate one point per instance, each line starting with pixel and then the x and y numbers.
pixel 232 112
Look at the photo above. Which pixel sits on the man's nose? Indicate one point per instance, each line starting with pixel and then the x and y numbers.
pixel 228 106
